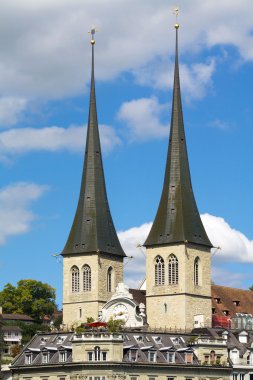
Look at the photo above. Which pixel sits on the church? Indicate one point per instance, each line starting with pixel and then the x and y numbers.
pixel 169 331
pixel 178 268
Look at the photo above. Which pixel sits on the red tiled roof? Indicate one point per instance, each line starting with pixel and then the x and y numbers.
pixel 232 300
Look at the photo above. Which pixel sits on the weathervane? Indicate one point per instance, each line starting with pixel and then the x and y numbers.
pixel 93 32
pixel 176 13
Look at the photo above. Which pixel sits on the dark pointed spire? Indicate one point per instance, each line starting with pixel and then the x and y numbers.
pixel 177 219
pixel 93 229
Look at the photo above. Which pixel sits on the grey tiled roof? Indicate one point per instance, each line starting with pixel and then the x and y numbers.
pixel 160 343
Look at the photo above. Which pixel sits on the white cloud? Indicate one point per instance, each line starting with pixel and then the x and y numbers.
pixel 235 247
pixel 23 140
pixel 11 109
pixel 135 267
pixel 195 79
pixel 220 124
pixel 15 214
pixel 44 51
pixel 142 118
pixel 221 276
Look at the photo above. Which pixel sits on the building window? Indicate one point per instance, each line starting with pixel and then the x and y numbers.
pixel 109 279
pixel 62 356
pixel 235 376
pixel 170 378
pixel 212 357
pixel 159 271
pixel 173 270
pixel 152 356
pixel 97 353
pixel 90 356
pixel 188 357
pixel 45 357
pixel 242 376
pixel 248 359
pixel 171 357
pixel 86 278
pixel 28 358
pixel 133 355
pixel 104 356
pixel 133 378
pixel 75 279
pixel 196 271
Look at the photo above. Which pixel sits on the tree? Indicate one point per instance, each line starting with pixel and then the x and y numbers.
pixel 30 297
pixel 1 345
pixel 115 325
pixel 251 288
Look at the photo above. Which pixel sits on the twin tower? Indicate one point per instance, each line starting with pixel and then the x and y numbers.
pixel 178 269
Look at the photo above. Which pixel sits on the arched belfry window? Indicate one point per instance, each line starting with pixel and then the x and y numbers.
pixel 109 279
pixel 75 278
pixel 159 271
pixel 197 271
pixel 173 270
pixel 86 278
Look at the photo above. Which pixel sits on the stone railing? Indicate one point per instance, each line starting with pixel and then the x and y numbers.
pixel 97 336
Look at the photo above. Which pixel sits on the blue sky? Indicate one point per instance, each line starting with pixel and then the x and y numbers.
pixel 44 80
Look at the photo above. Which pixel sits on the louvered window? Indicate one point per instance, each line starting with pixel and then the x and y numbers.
pixel 159 271
pixel 75 279
pixel 173 270
pixel 86 278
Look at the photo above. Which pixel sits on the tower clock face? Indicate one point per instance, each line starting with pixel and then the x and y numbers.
pixel 120 312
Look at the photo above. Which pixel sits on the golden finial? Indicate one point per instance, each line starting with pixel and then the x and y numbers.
pixel 93 32
pixel 176 13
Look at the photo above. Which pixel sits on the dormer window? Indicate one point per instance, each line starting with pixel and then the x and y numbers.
pixel 28 358
pixel 157 339
pixel 243 337
pixel 175 340
pixel 188 357
pixel 236 303
pixel 226 312
pixel 218 300
pixel 62 356
pixel 133 355
pixel 152 356
pixel 139 339
pixel 213 310
pixel 45 357
pixel 171 357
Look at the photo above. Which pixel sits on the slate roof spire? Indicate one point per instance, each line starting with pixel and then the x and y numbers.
pixel 177 219
pixel 93 229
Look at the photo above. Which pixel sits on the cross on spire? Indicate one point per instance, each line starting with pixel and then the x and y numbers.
pixel 176 13
pixel 93 32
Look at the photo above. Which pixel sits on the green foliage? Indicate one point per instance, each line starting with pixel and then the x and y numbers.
pixel 251 288
pixel 15 350
pixel 90 320
pixel 79 330
pixel 58 321
pixel 115 326
pixel 30 297
pixel 29 330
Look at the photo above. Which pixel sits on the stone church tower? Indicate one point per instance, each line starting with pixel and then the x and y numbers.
pixel 178 249
pixel 92 256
